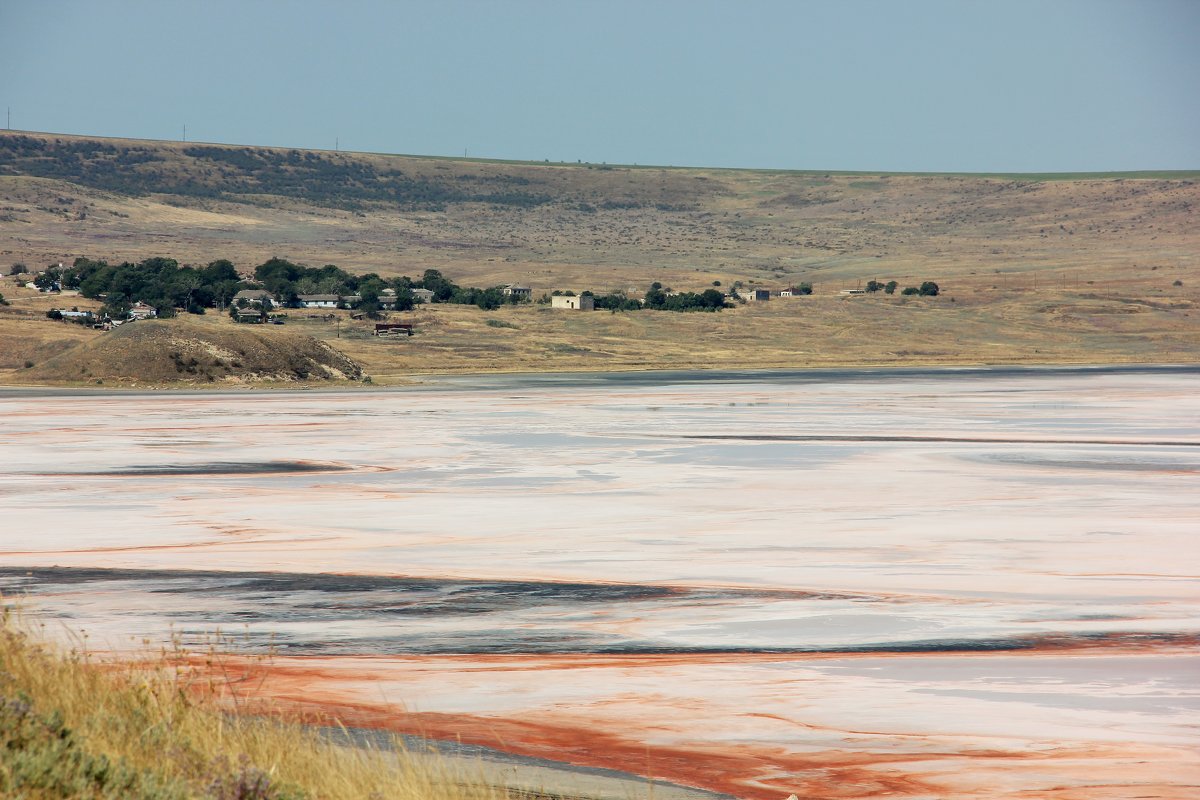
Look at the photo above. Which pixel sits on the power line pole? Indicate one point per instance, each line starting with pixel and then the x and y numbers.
pixel 9 124
pixel 185 133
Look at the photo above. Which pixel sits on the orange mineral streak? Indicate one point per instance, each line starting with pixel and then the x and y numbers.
pixel 328 690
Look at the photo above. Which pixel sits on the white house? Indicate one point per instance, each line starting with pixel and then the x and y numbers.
pixel 318 300
pixel 140 310
pixel 581 303
pixel 519 292
pixel 422 295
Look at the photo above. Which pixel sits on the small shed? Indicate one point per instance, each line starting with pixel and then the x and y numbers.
pixel 576 303
pixel 393 329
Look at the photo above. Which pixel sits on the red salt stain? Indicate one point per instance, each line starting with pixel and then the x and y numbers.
pixel 302 688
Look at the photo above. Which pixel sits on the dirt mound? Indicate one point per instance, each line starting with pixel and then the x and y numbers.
pixel 180 351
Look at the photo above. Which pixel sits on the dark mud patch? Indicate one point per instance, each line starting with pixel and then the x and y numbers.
pixel 211 468
pixel 854 438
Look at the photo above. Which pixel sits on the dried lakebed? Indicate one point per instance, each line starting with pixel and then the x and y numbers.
pixel 953 583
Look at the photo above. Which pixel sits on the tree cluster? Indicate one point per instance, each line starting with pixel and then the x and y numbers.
pixel 926 289
pixel 660 298
pixel 166 285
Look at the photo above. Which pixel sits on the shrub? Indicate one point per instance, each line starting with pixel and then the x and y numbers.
pixel 890 287
pixel 910 290
pixel 929 289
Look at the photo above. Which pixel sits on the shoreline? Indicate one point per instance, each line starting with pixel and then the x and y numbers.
pixel 450 381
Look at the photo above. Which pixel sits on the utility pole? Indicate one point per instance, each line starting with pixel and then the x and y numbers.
pixel 336 143
pixel 185 133
pixel 9 124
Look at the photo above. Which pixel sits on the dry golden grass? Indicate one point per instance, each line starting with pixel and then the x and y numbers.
pixel 165 727
pixel 1068 270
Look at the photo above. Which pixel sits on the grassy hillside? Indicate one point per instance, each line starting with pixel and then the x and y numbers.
pixel 575 225
pixel 192 352
pixel 1033 268
pixel 73 728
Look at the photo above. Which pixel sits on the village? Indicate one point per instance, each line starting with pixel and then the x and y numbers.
pixel 376 298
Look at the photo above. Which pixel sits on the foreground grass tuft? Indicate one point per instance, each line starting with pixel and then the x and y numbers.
pixel 71 727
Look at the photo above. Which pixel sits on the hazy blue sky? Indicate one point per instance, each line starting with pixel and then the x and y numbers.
pixel 1005 85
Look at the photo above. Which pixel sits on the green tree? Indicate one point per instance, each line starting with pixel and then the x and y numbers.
pixel 890 288
pixel 929 289
pixel 910 290
pixel 220 270
pixel 655 296
pixel 874 286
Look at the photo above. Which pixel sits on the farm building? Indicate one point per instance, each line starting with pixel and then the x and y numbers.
pixel 319 300
pixel 393 329
pixel 582 303
pixel 141 310
pixel 254 297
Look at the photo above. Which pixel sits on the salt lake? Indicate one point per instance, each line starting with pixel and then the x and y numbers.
pixel 947 583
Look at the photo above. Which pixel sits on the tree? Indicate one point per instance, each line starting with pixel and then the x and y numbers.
pixel 404 299
pixel 874 286
pixel 48 281
pixel 890 288
pixel 3 302
pixel 220 270
pixel 910 290
pixel 928 289
pixel 656 297
pixel 18 269
pixel 804 288
pixel 118 307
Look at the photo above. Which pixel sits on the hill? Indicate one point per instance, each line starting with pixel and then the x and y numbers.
pixel 577 225
pixel 187 352
pixel 1064 268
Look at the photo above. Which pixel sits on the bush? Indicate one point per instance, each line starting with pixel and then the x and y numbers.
pixel 890 287
pixel 4 302
pixel 929 289
pixel 910 290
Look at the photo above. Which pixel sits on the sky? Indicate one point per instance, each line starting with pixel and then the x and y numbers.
pixel 912 85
